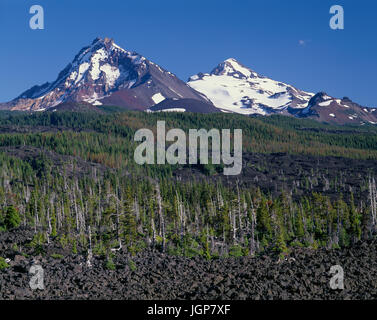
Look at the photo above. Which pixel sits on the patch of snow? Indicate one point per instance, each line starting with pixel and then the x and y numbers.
pixel 167 110
pixel 194 77
pixel 174 110
pixel 157 98
pixel 326 97
pixel 82 70
pixel 325 103
pixel 93 99
pixel 112 74
pixel 100 55
pixel 117 47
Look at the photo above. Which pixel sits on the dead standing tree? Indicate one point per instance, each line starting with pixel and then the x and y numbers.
pixel 373 203
pixel 161 217
pixel 90 254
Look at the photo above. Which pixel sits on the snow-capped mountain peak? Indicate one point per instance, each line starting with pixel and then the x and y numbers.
pixel 103 72
pixel 231 67
pixel 94 72
pixel 232 87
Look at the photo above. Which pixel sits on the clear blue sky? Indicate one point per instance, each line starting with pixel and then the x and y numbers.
pixel 186 37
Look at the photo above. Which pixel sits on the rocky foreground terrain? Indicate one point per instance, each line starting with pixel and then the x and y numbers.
pixel 304 274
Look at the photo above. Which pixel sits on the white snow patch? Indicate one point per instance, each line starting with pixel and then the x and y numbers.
pixel 174 110
pixel 119 48
pixel 100 55
pixel 157 98
pixel 325 103
pixel 167 110
pixel 194 77
pixel 73 76
pixel 112 74
pixel 82 69
pixel 93 100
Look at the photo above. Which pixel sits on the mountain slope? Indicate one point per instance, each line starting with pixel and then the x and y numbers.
pixel 324 108
pixel 234 88
pixel 104 73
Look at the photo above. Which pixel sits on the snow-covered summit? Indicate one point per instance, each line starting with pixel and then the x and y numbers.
pixel 233 87
pixel 231 67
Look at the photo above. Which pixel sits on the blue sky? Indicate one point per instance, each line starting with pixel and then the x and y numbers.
pixel 186 37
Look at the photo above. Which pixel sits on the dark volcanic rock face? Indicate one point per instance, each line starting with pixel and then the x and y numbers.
pixel 304 274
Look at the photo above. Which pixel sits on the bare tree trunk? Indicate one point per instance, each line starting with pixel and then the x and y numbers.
pixel 253 224
pixel 240 228
pixel 160 213
pixel 89 258
pixel 373 202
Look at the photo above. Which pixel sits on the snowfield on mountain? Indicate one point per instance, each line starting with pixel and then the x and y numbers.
pixel 233 87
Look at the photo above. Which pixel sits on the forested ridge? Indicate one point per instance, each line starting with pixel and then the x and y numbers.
pixel 71 178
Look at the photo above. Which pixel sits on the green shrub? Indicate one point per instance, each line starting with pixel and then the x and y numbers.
pixel 132 265
pixel 12 218
pixel 99 249
pixel 236 251
pixel 110 264
pixel 3 264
